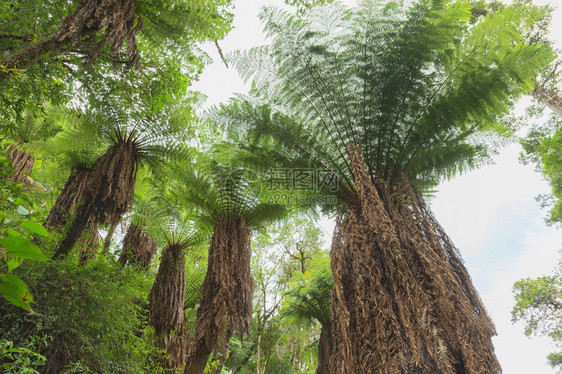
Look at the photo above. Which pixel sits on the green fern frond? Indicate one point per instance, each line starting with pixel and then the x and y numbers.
pixel 309 299
pixel 411 88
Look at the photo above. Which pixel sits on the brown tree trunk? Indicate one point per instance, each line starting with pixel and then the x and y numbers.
pixel 402 301
pixel 70 196
pixel 325 350
pixel 138 247
pixel 108 237
pixel 88 244
pixel 226 299
pixel 28 56
pixel 22 163
pixel 549 98
pixel 108 194
pixel 117 18
pixel 166 305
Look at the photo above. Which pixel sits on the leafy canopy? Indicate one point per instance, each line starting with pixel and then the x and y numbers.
pixel 418 90
pixel 539 306
pixel 214 189
pixel 543 147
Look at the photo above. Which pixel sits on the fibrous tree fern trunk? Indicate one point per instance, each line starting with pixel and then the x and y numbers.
pixel 138 247
pixel 71 194
pixel 226 298
pixel 402 300
pixel 118 18
pixel 22 162
pixel 108 194
pixel 166 305
pixel 66 206
pixel 88 244
pixel 109 237
pixel 326 364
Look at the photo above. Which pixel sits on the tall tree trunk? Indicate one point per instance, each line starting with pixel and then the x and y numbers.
pixel 325 350
pixel 226 298
pixel 138 247
pixel 108 194
pixel 166 305
pixel 549 98
pixel 28 56
pixel 402 300
pixel 88 244
pixel 22 163
pixel 71 194
pixel 118 19
pixel 108 237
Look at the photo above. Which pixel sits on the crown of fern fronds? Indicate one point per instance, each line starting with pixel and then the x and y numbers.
pixel 414 90
pixel 309 298
pixel 213 189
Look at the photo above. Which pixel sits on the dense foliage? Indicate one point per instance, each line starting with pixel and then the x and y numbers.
pixel 139 237
pixel 538 305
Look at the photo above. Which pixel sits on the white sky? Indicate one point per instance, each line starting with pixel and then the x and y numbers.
pixel 491 213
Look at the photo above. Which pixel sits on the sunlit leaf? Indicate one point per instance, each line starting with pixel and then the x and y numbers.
pixel 21 247
pixel 35 228
pixel 15 291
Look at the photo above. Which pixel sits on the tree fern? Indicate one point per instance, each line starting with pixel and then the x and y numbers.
pixel 309 298
pixel 223 199
pixel 94 27
pixel 134 138
pixel 391 85
pixel 388 100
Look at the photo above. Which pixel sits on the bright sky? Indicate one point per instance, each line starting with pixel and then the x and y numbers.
pixel 491 213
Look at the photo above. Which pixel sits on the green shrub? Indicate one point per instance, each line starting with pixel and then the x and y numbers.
pixel 94 312
pixel 21 359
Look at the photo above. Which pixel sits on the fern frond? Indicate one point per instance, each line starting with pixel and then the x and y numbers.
pixel 402 85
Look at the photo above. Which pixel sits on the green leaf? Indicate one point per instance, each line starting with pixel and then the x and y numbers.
pixel 21 210
pixel 15 291
pixel 21 247
pixel 13 232
pixel 13 263
pixel 35 228
pixel 18 201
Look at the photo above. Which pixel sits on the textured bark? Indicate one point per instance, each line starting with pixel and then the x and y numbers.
pixel 108 194
pixel 138 247
pixel 70 196
pixel 549 98
pixel 166 305
pixel 325 350
pixel 118 19
pixel 108 238
pixel 22 163
pixel 88 244
pixel 226 297
pixel 402 300
pixel 28 56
